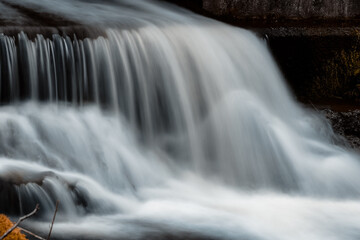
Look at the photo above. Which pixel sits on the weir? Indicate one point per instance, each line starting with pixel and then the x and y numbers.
pixel 168 126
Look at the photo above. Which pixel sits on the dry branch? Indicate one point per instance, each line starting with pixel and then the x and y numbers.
pixel 31 233
pixel 52 223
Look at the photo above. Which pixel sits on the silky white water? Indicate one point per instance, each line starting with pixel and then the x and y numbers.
pixel 170 126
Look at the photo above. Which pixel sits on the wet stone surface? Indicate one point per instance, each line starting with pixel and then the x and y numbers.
pixel 346 124
pixel 15 18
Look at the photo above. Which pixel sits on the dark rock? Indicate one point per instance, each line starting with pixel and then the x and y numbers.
pixel 320 63
pixel 290 9
pixel 346 124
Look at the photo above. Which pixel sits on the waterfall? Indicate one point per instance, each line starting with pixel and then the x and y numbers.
pixel 169 126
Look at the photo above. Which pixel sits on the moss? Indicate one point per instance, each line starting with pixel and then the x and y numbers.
pixel 6 224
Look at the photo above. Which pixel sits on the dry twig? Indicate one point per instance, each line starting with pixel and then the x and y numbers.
pixel 52 223
pixel 31 233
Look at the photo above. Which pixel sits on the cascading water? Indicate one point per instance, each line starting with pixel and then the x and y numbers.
pixel 170 126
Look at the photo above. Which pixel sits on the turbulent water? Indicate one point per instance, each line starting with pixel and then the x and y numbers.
pixel 170 126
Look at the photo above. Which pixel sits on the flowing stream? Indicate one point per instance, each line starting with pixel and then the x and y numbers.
pixel 170 126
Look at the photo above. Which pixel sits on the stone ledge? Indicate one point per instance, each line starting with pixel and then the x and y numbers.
pixel 80 32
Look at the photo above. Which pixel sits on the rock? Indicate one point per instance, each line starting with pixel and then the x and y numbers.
pixel 289 9
pixel 15 18
pixel 346 124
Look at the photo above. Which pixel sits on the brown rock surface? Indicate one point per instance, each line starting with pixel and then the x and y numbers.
pixel 291 9
pixel 346 124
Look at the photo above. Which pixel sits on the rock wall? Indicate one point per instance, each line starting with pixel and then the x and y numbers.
pixel 293 9
pixel 316 43
pixel 319 64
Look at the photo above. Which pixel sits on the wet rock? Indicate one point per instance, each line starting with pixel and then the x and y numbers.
pixel 319 63
pixel 15 18
pixel 292 9
pixel 346 124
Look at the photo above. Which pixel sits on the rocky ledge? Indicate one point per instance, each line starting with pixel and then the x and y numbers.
pixel 346 124
pixel 15 18
pixel 316 43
